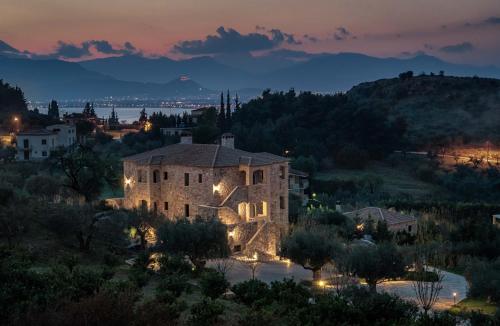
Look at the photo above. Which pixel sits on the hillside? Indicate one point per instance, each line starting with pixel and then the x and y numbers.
pixel 47 79
pixel 437 108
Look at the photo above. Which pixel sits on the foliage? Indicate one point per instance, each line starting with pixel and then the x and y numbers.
pixel 310 124
pixel 43 186
pixel 213 284
pixel 175 284
pixel 484 280
pixel 200 239
pixel 375 263
pixel 309 249
pixel 351 157
pixel 307 164
pixel 251 292
pixel 206 312
pixel 86 172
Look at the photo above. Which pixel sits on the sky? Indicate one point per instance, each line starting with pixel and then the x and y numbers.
pixel 464 31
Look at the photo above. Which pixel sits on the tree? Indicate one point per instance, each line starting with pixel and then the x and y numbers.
pixel 376 263
pixel 43 186
pixel 228 112
pixel 221 118
pixel 144 222
pixel 427 290
pixel 200 239
pixel 143 117
pixel 311 250
pixel 53 110
pixel 213 284
pixel 79 222
pixel 86 172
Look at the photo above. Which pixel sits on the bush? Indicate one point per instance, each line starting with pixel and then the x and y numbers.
pixel 174 264
pixel 175 284
pixel 213 284
pixel 139 277
pixel 206 312
pixel 251 292
pixel 155 312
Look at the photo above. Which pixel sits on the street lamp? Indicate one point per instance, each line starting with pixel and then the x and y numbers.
pixel 322 284
pixel 454 297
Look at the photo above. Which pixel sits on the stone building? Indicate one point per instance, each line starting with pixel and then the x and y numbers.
pixel 247 191
pixel 396 221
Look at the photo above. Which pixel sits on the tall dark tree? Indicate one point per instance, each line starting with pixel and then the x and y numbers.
pixel 237 103
pixel 228 112
pixel 221 119
pixel 143 118
pixel 53 110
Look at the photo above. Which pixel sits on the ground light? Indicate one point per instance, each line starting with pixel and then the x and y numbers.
pixel 454 297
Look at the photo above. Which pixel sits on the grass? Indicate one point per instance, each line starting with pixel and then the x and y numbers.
pixel 399 179
pixel 474 304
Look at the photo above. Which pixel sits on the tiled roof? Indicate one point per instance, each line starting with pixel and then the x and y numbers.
pixel 39 132
pixel 389 216
pixel 203 155
pixel 298 173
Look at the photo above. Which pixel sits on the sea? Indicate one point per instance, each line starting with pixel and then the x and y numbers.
pixel 125 114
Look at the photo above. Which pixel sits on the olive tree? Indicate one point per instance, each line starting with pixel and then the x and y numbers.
pixel 200 239
pixel 312 250
pixel 376 263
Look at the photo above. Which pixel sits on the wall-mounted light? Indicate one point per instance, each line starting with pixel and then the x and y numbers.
pixel 217 188
pixel 127 181
pixel 231 234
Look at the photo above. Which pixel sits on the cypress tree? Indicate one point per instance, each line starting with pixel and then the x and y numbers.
pixel 53 110
pixel 228 112
pixel 221 119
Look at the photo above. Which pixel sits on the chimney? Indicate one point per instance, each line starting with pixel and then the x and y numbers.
pixel 227 140
pixel 186 138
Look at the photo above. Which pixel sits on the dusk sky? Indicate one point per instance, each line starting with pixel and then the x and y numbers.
pixel 456 30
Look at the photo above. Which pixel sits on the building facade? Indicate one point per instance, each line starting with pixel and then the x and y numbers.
pixel 396 222
pixel 38 144
pixel 247 191
pixel 298 185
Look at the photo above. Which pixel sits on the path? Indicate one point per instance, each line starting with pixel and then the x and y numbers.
pixel 276 271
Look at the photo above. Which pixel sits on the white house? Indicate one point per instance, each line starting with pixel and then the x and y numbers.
pixel 37 144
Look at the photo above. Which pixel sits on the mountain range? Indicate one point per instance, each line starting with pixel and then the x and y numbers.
pixel 135 76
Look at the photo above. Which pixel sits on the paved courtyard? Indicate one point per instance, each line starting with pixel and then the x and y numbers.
pixel 276 271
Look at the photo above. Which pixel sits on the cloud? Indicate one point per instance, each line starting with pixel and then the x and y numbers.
pixel 458 48
pixel 86 48
pixel 341 34
pixel 311 38
pixel 230 41
pixel 491 21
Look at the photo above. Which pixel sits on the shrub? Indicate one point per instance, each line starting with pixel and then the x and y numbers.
pixel 213 284
pixel 426 173
pixel 138 276
pixel 155 312
pixel 175 283
pixel 251 292
pixel 206 312
pixel 174 264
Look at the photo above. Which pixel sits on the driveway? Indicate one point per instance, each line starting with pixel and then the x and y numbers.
pixel 276 271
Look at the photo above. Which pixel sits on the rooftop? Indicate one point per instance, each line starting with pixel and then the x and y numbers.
pixel 391 217
pixel 36 132
pixel 203 155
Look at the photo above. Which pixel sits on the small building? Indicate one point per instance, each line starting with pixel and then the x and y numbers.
pixel 395 221
pixel 174 131
pixel 496 220
pixel 298 183
pixel 247 191
pixel 38 144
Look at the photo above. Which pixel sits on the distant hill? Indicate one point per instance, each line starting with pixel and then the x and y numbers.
pixel 205 70
pixel 437 109
pixel 47 79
